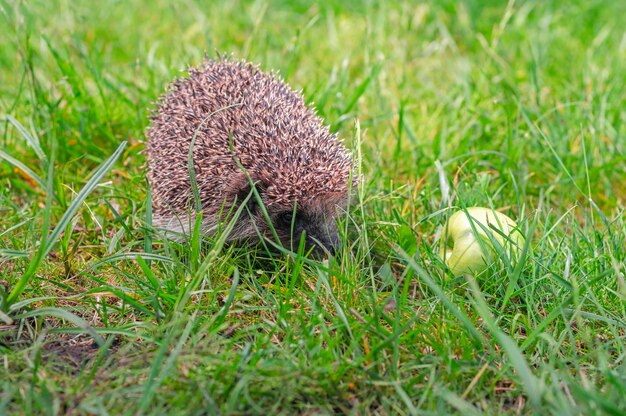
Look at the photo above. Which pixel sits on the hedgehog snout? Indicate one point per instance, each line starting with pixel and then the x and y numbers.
pixel 326 237
pixel 321 234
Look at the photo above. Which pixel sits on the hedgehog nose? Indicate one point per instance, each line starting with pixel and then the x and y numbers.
pixel 322 246
pixel 326 241
pixel 333 242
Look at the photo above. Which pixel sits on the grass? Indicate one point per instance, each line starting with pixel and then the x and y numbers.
pixel 517 106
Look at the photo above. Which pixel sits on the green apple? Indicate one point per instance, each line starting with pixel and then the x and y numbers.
pixel 470 238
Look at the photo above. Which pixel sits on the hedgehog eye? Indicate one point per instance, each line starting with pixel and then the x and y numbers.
pixel 286 218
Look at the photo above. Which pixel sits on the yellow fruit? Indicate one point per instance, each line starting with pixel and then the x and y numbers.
pixel 470 238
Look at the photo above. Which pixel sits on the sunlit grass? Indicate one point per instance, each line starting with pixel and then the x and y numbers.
pixel 516 106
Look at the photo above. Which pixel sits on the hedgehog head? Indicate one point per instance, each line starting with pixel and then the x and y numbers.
pixel 300 200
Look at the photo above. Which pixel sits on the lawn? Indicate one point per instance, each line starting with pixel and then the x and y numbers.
pixel 519 106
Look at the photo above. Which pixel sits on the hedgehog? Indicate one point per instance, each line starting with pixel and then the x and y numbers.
pixel 248 129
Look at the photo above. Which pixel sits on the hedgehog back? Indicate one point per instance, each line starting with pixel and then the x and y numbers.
pixel 237 113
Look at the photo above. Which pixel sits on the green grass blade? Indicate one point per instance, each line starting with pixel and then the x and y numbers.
pixel 442 296
pixel 8 254
pixel 160 369
pixel 78 200
pixel 21 166
pixel 530 383
pixel 30 139
pixel 65 315
pixel 49 242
